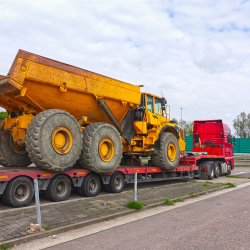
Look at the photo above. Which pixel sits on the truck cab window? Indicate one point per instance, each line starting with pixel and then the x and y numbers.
pixel 150 103
pixel 158 106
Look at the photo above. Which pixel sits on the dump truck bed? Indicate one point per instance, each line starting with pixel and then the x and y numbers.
pixel 47 84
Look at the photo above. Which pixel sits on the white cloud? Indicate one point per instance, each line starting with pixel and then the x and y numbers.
pixel 196 53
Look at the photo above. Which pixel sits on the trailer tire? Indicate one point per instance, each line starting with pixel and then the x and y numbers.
pixel 169 154
pixel 59 188
pixel 54 140
pixel 216 171
pixel 229 171
pixel 102 148
pixel 116 183
pixel 91 185
pixel 19 192
pixel 11 154
pixel 211 175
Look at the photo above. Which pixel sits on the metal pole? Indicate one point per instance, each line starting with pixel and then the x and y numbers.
pixel 38 212
pixel 181 117
pixel 135 187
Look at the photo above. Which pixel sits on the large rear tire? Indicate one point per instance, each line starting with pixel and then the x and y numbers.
pixel 102 148
pixel 54 140
pixel 9 153
pixel 169 154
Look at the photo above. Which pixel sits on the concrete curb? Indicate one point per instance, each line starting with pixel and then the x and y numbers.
pixel 62 229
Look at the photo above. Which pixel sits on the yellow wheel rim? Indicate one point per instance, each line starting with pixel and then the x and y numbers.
pixel 106 149
pixel 62 140
pixel 171 152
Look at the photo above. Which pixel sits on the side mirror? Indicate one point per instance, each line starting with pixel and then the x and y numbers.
pixel 163 102
pixel 234 141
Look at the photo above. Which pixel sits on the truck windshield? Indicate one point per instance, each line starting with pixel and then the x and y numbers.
pixel 157 106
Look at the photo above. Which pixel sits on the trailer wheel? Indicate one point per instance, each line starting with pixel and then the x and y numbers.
pixel 91 185
pixel 102 148
pixel 59 189
pixel 229 171
pixel 169 155
pixel 12 153
pixel 19 192
pixel 54 140
pixel 216 171
pixel 211 175
pixel 116 183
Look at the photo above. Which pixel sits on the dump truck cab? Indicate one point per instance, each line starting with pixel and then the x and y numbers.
pixel 152 118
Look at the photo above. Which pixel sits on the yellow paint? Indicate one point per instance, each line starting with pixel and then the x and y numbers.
pixel 62 140
pixel 46 174
pixel 106 149
pixel 81 172
pixel 3 176
pixel 171 152
pixel 154 170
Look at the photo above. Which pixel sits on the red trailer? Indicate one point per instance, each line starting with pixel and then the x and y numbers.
pixel 211 157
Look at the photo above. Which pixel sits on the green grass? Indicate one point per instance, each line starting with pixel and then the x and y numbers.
pixel 230 185
pixel 81 209
pixel 119 208
pixel 233 176
pixel 135 205
pixel 168 202
pixel 197 195
pixel 190 193
pixel 193 181
pixel 244 166
pixel 46 227
pixel 184 194
pixel 179 199
pixel 5 246
pixel 243 159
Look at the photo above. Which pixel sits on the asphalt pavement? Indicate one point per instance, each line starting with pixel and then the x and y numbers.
pixel 220 222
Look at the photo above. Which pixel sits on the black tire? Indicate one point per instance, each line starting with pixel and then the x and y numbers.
pixel 17 156
pixel 39 136
pixel 91 185
pixel 117 182
pixel 161 159
pixel 59 188
pixel 211 175
pixel 216 171
pixel 229 171
pixel 93 136
pixel 19 192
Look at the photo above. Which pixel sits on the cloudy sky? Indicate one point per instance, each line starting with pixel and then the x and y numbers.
pixel 195 53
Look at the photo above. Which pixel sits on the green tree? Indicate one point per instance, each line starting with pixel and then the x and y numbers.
pixel 242 125
pixel 3 115
pixel 187 127
pixel 174 121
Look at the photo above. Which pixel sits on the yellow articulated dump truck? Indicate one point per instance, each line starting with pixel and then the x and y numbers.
pixel 60 115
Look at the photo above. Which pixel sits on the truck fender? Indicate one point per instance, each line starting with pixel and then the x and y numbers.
pixel 156 146
pixel 3 185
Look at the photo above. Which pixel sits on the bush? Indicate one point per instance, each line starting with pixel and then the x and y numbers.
pixel 135 205
pixel 3 115
pixel 168 202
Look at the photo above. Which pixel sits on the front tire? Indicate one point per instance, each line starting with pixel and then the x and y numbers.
pixel 169 154
pixel 229 171
pixel 216 171
pixel 54 140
